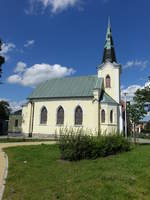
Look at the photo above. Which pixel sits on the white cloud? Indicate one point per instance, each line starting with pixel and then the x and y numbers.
pixel 142 64
pixel 21 66
pixel 147 84
pixel 14 105
pixel 55 6
pixel 17 105
pixel 38 73
pixel 130 90
pixel 29 43
pixel 6 48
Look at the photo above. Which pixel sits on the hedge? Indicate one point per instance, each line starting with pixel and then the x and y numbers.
pixel 77 145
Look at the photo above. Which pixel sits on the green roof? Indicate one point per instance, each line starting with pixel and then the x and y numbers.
pixel 105 98
pixel 67 87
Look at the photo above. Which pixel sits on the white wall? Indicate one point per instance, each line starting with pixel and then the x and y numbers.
pixel 114 73
pixel 109 127
pixel 26 118
pixel 90 115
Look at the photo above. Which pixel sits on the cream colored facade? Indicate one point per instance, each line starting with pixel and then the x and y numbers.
pixel 91 106
pixel 69 105
pixel 91 110
pixel 113 70
pixel 91 116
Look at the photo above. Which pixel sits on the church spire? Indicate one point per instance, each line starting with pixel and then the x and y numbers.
pixel 109 51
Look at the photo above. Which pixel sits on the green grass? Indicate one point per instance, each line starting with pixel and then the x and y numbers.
pixel 44 177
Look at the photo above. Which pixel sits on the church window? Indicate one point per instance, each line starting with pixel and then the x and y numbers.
pixel 103 116
pixel 111 116
pixel 108 85
pixel 78 116
pixel 43 119
pixel 60 115
pixel 16 123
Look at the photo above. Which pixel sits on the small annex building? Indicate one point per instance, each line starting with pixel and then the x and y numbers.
pixel 15 122
pixel 90 102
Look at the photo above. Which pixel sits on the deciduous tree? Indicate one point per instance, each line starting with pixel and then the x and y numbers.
pixel 4 110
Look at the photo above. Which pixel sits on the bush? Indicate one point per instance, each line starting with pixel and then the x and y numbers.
pixel 79 145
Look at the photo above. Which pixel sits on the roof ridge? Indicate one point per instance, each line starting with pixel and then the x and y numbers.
pixel 72 77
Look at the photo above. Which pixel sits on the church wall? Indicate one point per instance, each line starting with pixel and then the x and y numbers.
pixel 26 118
pixel 90 115
pixel 109 127
pixel 114 73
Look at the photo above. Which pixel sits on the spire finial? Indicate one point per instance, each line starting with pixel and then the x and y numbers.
pixel 109 24
pixel 109 51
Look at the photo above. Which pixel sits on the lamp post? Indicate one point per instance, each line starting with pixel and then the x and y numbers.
pixel 125 94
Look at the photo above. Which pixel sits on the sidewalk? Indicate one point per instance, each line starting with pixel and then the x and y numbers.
pixel 141 141
pixel 3 159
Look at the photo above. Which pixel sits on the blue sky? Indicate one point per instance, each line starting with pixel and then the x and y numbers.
pixel 54 38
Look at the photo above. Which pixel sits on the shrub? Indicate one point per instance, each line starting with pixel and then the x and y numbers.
pixel 77 145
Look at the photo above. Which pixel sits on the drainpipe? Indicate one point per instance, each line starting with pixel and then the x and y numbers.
pixel 31 119
pixel 98 117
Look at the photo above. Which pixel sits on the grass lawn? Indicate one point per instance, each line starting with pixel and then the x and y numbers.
pixel 45 177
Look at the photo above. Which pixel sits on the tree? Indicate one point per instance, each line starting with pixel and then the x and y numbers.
pixel 4 110
pixel 142 95
pixel 135 113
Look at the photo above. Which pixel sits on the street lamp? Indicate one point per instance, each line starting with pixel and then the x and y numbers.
pixel 125 94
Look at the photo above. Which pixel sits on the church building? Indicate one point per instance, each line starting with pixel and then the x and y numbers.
pixel 90 102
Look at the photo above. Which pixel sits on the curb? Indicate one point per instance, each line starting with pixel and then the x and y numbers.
pixel 4 177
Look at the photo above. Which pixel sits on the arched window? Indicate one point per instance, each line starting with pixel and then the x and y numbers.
pixel 78 116
pixel 108 84
pixel 16 123
pixel 103 116
pixel 111 116
pixel 43 119
pixel 60 115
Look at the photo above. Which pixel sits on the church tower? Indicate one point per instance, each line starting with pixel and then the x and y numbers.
pixel 109 70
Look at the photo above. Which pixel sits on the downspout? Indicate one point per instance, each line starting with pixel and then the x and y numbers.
pixel 31 119
pixel 98 118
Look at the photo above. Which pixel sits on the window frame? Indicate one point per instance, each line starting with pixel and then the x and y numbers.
pixel 78 124
pixel 103 117
pixel 43 107
pixel 111 117
pixel 60 124
pixel 106 81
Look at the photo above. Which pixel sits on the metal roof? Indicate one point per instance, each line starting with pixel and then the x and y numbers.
pixel 67 87
pixel 105 98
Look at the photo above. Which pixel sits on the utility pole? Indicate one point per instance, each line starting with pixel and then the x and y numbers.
pixel 2 60
pixel 125 94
